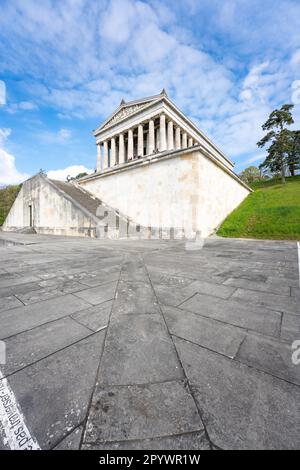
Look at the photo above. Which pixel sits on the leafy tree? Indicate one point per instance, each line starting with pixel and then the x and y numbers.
pixel 278 137
pixel 293 159
pixel 7 196
pixel 250 174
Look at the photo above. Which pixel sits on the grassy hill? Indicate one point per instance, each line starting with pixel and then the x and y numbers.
pixel 7 197
pixel 272 211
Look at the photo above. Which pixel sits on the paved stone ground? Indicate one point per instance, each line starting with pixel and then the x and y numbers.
pixel 144 344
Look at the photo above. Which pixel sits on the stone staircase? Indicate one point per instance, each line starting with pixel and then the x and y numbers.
pixel 109 222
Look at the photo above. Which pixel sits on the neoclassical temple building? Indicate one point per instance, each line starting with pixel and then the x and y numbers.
pixel 156 175
pixel 146 127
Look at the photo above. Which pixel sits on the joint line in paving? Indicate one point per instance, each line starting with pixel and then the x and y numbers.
pixel 99 364
pixel 178 358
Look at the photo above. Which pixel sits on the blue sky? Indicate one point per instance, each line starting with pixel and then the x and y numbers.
pixel 66 64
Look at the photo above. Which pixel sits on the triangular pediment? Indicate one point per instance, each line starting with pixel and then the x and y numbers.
pixel 123 113
pixel 126 109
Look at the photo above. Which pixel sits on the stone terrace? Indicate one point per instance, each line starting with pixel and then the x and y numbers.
pixel 148 345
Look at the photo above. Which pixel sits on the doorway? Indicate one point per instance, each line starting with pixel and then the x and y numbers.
pixel 30 216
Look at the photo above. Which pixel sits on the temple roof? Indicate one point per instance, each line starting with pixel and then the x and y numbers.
pixel 130 107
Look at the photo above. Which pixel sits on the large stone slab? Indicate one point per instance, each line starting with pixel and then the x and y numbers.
pixel 295 292
pixel 99 294
pixel 235 313
pixel 272 287
pixel 96 278
pixel 206 332
pixel 135 298
pixel 54 393
pixel 270 356
pixel 19 289
pixel 8 302
pixel 213 289
pixel 189 441
pixel 290 327
pixel 242 408
pixel 28 347
pixel 10 279
pixel 141 412
pixel 23 318
pixel 71 441
pixel 50 289
pixel 173 296
pixel 133 269
pixel 271 301
pixel 95 318
pixel 138 350
pixel 158 277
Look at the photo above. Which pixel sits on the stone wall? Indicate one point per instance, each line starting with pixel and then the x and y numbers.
pixel 186 191
pixel 52 212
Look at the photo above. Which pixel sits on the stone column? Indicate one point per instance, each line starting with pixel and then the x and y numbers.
pixel 121 149
pixel 177 138
pixel 105 156
pixel 157 138
pixel 130 144
pixel 112 151
pixel 140 141
pixel 151 137
pixel 98 165
pixel 170 135
pixel 184 140
pixel 191 142
pixel 162 133
pixel 147 143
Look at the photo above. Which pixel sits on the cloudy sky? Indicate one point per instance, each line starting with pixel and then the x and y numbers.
pixel 66 64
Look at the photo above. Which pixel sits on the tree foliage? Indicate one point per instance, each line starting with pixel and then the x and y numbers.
pixel 278 136
pixel 7 197
pixel 293 158
pixel 250 174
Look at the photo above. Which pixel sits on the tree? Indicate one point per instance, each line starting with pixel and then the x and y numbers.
pixel 278 137
pixel 293 159
pixel 250 174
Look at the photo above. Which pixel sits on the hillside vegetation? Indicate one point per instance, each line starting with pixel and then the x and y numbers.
pixel 7 197
pixel 272 211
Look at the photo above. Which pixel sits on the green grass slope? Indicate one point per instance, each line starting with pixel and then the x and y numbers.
pixel 272 211
pixel 7 197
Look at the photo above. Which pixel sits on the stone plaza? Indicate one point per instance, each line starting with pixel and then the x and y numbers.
pixel 150 344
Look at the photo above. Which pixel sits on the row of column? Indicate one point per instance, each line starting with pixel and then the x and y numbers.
pixel 161 140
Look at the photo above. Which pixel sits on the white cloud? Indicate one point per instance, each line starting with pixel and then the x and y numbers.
pixel 55 137
pixel 4 134
pixel 89 55
pixel 2 93
pixel 64 134
pixel 8 171
pixel 72 171
pixel 21 106
pixel 295 60
pixel 255 158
